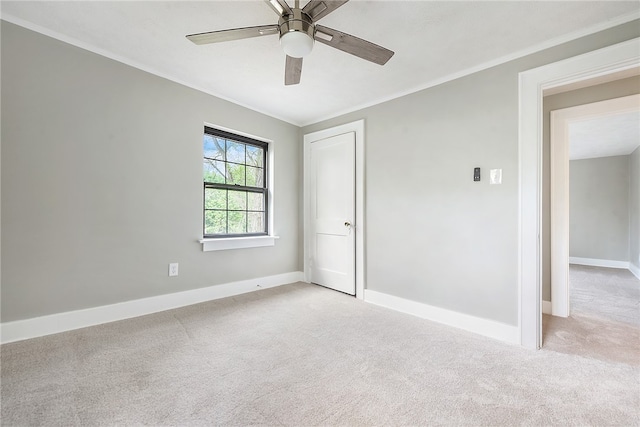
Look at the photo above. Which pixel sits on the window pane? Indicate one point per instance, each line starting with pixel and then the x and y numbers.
pixel 214 171
pixel 255 222
pixel 213 147
pixel 238 200
pixel 229 164
pixel 215 198
pixel 235 174
pixel 235 152
pixel 215 222
pixel 237 222
pixel 255 177
pixel 255 156
pixel 255 201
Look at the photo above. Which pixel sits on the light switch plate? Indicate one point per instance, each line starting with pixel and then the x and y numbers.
pixel 495 176
pixel 173 269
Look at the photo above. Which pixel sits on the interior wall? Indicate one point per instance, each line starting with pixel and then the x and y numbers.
pixel 76 235
pixel 634 210
pixel 432 234
pixel 102 182
pixel 599 208
pixel 587 95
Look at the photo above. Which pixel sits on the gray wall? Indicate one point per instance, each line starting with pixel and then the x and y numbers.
pixel 432 234
pixel 599 208
pixel 77 235
pixel 601 92
pixel 102 182
pixel 634 208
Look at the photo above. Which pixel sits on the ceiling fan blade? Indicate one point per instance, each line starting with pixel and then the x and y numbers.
pixel 279 6
pixel 353 45
pixel 292 71
pixel 234 34
pixel 317 9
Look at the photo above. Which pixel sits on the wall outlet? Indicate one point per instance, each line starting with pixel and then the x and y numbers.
pixel 173 269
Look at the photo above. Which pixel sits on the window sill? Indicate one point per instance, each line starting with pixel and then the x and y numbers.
pixel 237 243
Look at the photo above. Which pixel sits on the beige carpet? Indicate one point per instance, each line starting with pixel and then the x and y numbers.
pixel 606 293
pixel 303 355
pixel 605 316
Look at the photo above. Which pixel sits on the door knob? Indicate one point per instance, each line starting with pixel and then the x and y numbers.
pixel 347 224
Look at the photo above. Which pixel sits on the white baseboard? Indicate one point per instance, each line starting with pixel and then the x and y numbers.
pixel 599 262
pixel 489 328
pixel 546 307
pixel 52 324
pixel 635 270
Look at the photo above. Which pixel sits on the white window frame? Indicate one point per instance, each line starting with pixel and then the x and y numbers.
pixel 243 242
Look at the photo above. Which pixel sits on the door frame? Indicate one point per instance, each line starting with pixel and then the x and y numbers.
pixel 532 84
pixel 359 228
pixel 559 151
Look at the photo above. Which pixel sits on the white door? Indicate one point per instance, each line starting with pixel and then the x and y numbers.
pixel 332 212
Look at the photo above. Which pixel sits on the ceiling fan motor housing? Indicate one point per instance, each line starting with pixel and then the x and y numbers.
pixel 296 33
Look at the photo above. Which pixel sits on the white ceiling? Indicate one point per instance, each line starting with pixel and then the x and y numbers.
pixel 611 135
pixel 433 42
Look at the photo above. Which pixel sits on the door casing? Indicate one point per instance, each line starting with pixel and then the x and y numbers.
pixel 532 84
pixel 359 228
pixel 559 127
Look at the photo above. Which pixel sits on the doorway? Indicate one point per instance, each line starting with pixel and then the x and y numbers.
pixel 332 145
pixel 331 173
pixel 584 133
pixel 532 83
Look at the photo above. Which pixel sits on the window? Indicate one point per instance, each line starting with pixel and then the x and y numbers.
pixel 235 185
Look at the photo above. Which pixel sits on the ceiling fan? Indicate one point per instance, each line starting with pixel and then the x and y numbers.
pixel 298 30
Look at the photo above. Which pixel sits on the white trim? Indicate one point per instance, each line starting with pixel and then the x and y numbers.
pixel 130 62
pixel 227 243
pixel 52 324
pixel 609 107
pixel 593 82
pixel 635 270
pixel 504 59
pixel 478 325
pixel 532 83
pixel 546 307
pixel 358 128
pixel 559 207
pixel 559 155
pixel 237 132
pixel 486 65
pixel 223 244
pixel 599 262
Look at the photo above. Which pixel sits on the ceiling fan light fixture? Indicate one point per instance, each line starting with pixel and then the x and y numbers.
pixel 296 44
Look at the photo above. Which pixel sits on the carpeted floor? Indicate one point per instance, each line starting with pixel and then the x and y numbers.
pixel 303 355
pixel 606 293
pixel 605 316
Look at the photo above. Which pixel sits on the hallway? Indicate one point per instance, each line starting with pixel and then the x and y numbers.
pixel 605 316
